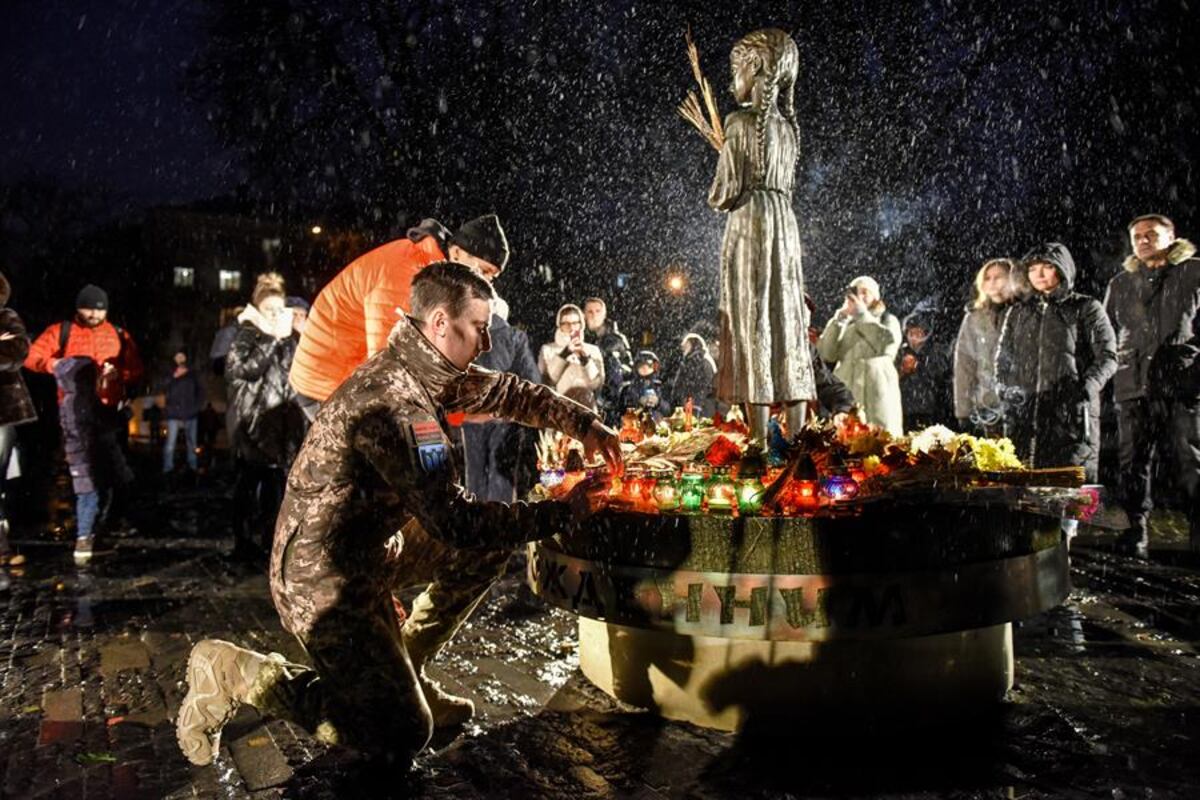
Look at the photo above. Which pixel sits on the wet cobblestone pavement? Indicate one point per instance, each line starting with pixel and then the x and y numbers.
pixel 1107 702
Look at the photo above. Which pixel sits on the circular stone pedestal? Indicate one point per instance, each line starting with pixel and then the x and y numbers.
pixel 899 612
pixel 730 683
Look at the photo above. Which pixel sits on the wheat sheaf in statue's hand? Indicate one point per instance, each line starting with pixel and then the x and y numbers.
pixel 706 119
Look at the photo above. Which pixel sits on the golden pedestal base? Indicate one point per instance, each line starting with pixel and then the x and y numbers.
pixel 853 684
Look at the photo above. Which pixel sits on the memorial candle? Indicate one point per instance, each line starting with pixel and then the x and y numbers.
pixel 750 485
pixel 839 487
pixel 691 491
pixel 803 496
pixel 721 492
pixel 665 492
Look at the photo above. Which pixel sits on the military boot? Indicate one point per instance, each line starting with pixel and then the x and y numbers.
pixel 221 677
pixel 1135 541
pixel 424 632
pixel 448 710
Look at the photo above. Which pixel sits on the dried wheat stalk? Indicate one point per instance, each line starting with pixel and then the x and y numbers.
pixel 707 118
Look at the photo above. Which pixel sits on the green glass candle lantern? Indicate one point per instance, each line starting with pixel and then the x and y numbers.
pixel 666 491
pixel 691 491
pixel 750 487
pixel 750 495
pixel 721 492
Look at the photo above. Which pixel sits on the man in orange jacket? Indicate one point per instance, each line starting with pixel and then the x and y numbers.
pixel 94 362
pixel 353 315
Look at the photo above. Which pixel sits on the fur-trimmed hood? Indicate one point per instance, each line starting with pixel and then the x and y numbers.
pixel 1180 250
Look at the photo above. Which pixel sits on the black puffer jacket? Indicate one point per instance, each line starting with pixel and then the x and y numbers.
pixel 696 378
pixel 77 410
pixel 1156 313
pixel 268 427
pixel 1056 351
pixel 618 367
pixel 833 396
pixel 15 405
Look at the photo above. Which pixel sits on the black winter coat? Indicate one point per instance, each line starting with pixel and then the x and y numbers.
pixel 618 367
pixel 15 404
pixel 925 393
pixel 833 396
pixel 696 378
pixel 1156 314
pixel 77 416
pixel 510 351
pixel 499 454
pixel 268 427
pixel 1054 355
pixel 185 396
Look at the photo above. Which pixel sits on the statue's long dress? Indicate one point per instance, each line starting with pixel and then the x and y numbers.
pixel 764 352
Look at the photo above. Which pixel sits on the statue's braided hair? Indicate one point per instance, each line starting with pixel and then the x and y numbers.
pixel 780 59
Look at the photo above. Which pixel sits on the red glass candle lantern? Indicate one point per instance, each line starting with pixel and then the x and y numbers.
pixel 803 496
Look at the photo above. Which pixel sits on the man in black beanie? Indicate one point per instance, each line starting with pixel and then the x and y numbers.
pixel 352 316
pixel 481 245
pixel 115 366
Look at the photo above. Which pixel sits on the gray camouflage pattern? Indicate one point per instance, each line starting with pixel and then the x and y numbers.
pixel 365 514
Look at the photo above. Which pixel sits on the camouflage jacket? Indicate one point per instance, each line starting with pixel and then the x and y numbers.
pixel 378 457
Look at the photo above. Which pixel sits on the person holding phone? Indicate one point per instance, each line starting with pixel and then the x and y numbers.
pixel 569 362
pixel 862 340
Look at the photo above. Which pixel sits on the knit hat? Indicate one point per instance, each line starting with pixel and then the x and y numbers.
pixel 646 357
pixel 867 281
pixel 483 238
pixel 294 301
pixel 92 296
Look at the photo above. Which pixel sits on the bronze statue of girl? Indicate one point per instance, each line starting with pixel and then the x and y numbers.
pixel 765 355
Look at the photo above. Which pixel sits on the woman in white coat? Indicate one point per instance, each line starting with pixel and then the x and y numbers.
pixel 570 364
pixel 862 340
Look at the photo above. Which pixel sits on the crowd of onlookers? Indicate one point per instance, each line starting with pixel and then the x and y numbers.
pixel 1030 361
pixel 1033 357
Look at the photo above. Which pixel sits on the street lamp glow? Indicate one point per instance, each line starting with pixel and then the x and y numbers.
pixel 316 230
pixel 676 283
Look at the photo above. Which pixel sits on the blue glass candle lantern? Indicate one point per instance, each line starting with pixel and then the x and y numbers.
pixel 551 478
pixel 839 487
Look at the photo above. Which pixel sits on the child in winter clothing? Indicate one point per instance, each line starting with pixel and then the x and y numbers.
pixel 645 389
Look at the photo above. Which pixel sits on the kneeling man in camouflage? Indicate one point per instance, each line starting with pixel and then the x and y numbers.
pixel 374 503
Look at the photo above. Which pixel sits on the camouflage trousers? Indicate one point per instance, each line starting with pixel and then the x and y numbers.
pixel 362 690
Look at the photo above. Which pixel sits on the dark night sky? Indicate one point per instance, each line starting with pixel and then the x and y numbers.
pixel 933 134
pixel 93 98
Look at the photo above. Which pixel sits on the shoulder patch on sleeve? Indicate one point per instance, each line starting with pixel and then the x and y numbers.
pixel 430 453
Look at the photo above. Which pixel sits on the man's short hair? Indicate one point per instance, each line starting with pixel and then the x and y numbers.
pixel 1161 219
pixel 591 300
pixel 444 283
